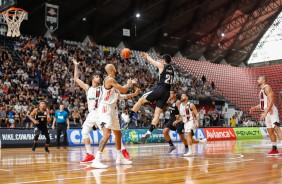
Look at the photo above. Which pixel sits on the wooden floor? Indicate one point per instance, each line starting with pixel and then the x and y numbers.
pixel 217 162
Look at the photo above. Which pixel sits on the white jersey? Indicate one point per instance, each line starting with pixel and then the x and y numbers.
pixel 264 99
pixel 110 96
pixel 186 113
pixel 93 95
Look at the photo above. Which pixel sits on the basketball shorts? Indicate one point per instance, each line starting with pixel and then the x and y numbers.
pixel 91 119
pixel 179 126
pixel 41 129
pixel 272 118
pixel 189 126
pixel 158 94
pixel 108 117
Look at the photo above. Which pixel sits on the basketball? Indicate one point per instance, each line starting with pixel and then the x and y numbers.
pixel 125 53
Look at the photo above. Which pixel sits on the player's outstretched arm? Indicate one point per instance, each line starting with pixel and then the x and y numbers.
pixel 117 86
pixel 159 65
pixel 76 79
pixel 131 95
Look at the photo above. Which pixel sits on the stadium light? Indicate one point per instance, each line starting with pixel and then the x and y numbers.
pixel 137 15
pixel 222 34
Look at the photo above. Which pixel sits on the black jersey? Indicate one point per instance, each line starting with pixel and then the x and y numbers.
pixel 173 109
pixel 41 117
pixel 166 77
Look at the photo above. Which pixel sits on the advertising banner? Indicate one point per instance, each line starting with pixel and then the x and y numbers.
pixel 213 134
pixel 248 133
pixel 23 138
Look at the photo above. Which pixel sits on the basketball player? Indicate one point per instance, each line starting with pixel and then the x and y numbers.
pixel 40 116
pixel 174 122
pixel 108 116
pixel 188 112
pixel 270 113
pixel 159 93
pixel 93 93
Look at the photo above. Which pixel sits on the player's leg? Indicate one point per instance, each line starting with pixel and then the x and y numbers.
pixel 47 136
pixel 36 135
pixel 270 128
pixel 189 142
pixel 154 123
pixel 181 131
pixel 169 126
pixel 86 140
pixel 150 96
pixel 120 159
pixel 106 135
pixel 188 127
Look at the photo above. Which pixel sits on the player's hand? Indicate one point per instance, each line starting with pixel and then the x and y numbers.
pixel 129 82
pixel 53 127
pixel 175 123
pixel 68 127
pixel 36 122
pixel 134 81
pixel 75 62
pixel 137 91
pixel 144 55
pixel 262 116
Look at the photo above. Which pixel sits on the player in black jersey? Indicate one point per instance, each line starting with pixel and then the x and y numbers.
pixel 40 116
pixel 174 122
pixel 160 93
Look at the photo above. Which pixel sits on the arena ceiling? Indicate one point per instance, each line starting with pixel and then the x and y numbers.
pixel 193 27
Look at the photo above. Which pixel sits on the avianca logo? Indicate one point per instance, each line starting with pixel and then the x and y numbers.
pixel 219 135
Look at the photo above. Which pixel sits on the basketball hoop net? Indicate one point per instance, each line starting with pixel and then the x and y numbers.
pixel 14 17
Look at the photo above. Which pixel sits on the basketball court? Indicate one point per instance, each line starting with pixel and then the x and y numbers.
pixel 241 161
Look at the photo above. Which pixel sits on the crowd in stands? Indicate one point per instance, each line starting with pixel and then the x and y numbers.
pixel 46 73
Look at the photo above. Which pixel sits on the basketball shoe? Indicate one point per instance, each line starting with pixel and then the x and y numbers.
pixel 88 158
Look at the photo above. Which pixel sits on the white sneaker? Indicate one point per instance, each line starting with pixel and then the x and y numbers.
pixel 189 154
pixel 98 165
pixel 123 161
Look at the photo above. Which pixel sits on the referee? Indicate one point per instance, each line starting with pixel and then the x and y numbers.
pixel 61 117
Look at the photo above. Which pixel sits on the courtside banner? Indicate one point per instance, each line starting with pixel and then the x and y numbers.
pixel 248 133
pixel 129 136
pixel 213 134
pixel 19 138
pixel 75 137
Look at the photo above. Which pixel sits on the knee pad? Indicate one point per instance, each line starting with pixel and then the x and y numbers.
pixel 85 132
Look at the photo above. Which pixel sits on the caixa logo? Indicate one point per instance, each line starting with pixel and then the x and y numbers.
pixel 75 137
pixel 220 134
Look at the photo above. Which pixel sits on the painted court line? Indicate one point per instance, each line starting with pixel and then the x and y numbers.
pixel 152 170
pixel 5 170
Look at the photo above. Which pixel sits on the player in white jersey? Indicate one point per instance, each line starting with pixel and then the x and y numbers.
pixel 108 116
pixel 270 113
pixel 188 112
pixel 93 94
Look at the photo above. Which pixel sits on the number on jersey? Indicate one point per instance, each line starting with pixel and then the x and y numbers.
pixel 168 79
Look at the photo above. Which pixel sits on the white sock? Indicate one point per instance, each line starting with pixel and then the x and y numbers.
pixel 119 154
pixel 148 132
pixel 274 143
pixel 88 148
pixel 122 146
pixel 190 148
pixel 98 155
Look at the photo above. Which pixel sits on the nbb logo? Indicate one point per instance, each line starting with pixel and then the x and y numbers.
pixel 219 134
